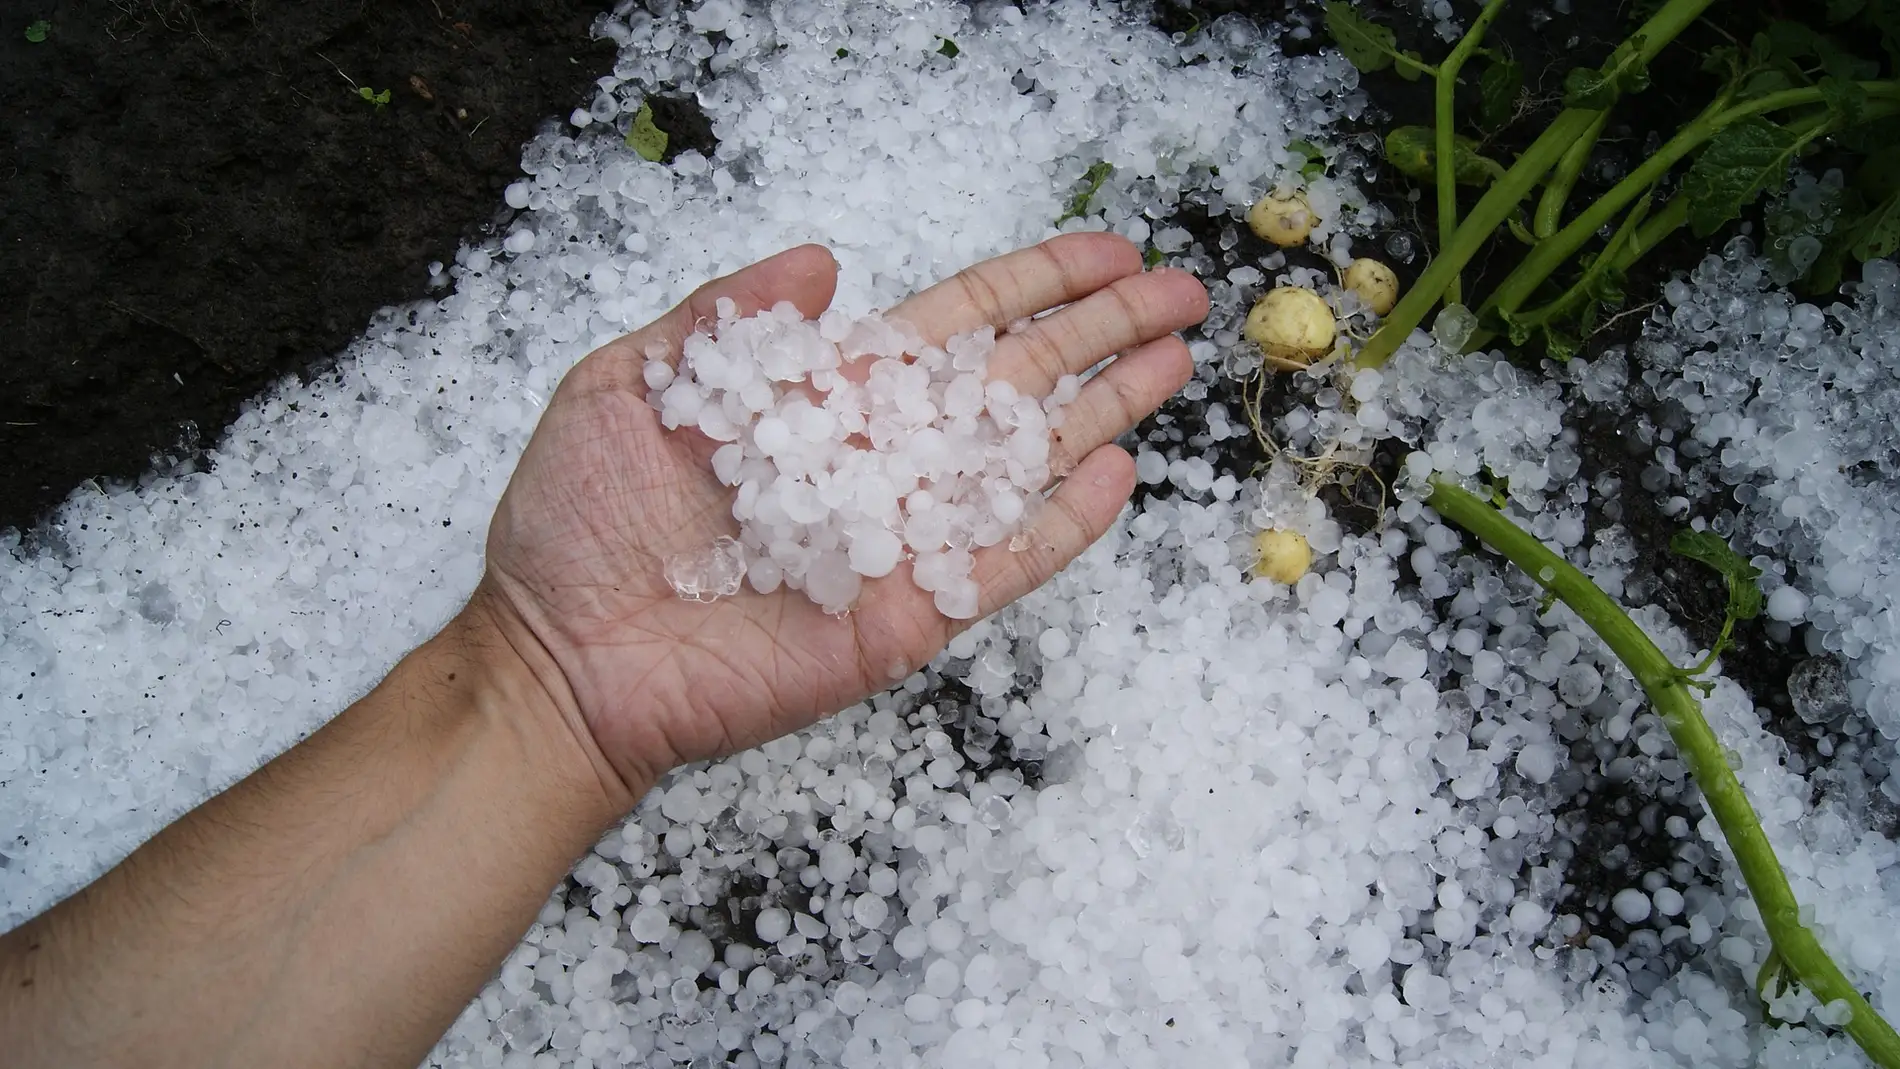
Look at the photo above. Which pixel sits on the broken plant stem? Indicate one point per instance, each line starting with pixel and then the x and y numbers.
pixel 1555 251
pixel 1668 689
pixel 1445 79
pixel 1513 187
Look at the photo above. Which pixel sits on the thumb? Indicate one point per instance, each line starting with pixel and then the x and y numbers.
pixel 806 275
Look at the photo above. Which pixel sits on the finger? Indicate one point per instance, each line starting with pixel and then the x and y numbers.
pixel 1122 395
pixel 1077 514
pixel 807 276
pixel 1121 315
pixel 1002 290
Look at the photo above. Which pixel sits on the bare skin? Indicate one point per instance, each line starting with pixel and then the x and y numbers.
pixel 341 905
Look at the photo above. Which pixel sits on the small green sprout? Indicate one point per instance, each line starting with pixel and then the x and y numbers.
pixel 1312 158
pixel 379 99
pixel 1092 180
pixel 36 32
pixel 1744 594
pixel 645 138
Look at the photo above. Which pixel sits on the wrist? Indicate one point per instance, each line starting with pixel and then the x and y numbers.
pixel 517 684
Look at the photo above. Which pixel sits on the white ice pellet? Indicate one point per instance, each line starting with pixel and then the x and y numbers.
pixel 773 924
pixel 1631 905
pixel 921 454
pixel 1787 604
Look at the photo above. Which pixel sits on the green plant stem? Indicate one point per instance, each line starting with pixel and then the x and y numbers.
pixel 1505 194
pixel 1491 211
pixel 1667 688
pixel 1553 252
pixel 1563 179
pixel 1445 80
pixel 1672 217
pixel 1661 223
pixel 1580 290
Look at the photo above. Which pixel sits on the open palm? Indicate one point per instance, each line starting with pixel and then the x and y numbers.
pixel 605 495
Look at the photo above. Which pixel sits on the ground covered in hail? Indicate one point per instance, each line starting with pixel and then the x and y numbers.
pixel 1159 812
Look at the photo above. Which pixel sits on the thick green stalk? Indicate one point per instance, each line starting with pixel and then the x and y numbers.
pixel 1673 217
pixel 1563 179
pixel 1667 688
pixel 1509 191
pixel 1554 252
pixel 1446 81
pixel 1486 216
pixel 1579 292
pixel 1670 218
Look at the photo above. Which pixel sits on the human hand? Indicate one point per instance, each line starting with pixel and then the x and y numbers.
pixel 604 496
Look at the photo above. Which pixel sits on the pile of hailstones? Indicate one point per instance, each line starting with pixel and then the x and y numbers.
pixel 854 443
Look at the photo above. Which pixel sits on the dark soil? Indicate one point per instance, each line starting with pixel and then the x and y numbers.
pixel 198 202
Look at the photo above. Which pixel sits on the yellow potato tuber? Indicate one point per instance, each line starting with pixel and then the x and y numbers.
pixel 1375 283
pixel 1285 221
pixel 1281 555
pixel 1293 326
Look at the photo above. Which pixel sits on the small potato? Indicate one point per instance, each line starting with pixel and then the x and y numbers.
pixel 1375 283
pixel 1293 326
pixel 1285 221
pixel 1282 556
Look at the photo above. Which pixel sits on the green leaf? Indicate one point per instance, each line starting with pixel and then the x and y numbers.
pixel 1798 41
pixel 1561 345
pixel 1744 596
pixel 1312 158
pixel 1879 174
pixel 948 48
pixel 1842 10
pixel 1824 275
pixel 1368 45
pixel 1584 88
pixel 1623 72
pixel 1153 257
pixel 1721 59
pixel 1877 234
pixel 1608 286
pixel 1411 66
pixel 1846 99
pixel 842 53
pixel 645 138
pixel 1092 180
pixel 1516 328
pixel 36 31
pixel 1742 161
pixel 1885 17
pixel 1413 150
pixel 1762 83
pixel 1498 89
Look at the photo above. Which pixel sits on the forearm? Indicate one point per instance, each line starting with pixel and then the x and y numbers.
pixel 339 906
